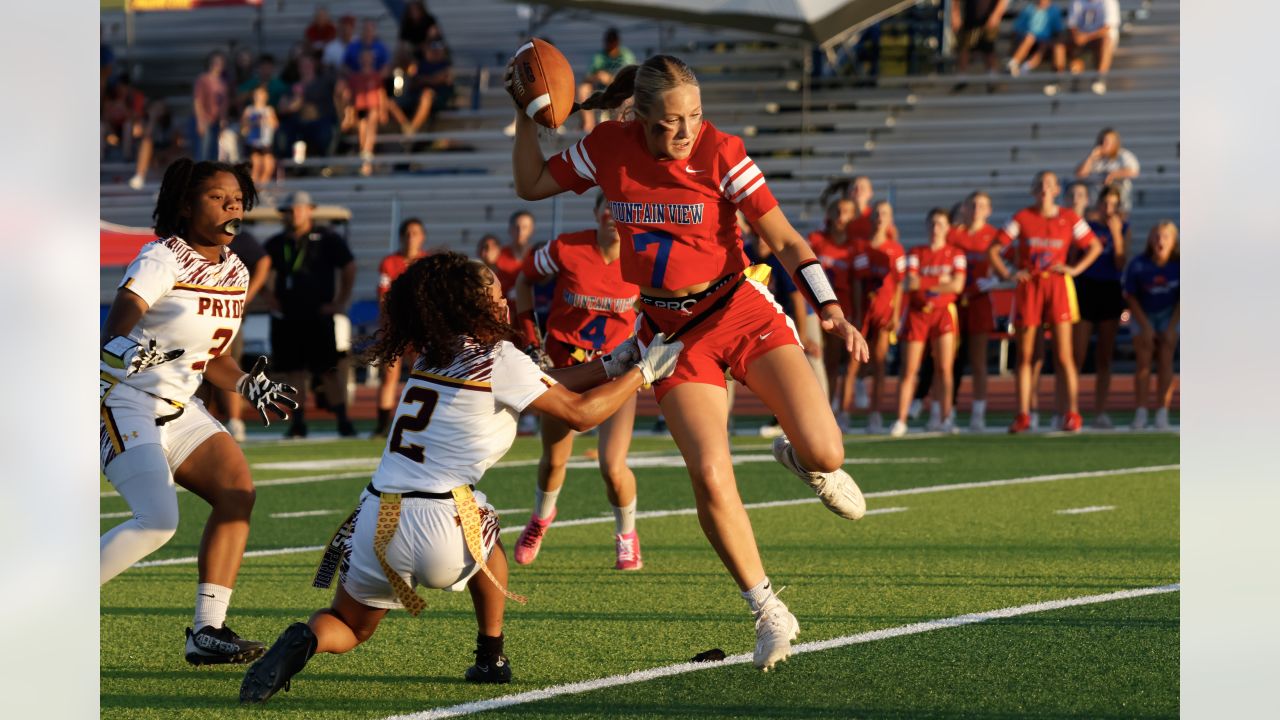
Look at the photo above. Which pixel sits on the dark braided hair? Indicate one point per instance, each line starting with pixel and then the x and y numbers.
pixel 181 183
pixel 434 305
pixel 645 82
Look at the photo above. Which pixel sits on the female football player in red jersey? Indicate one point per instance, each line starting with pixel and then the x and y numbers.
pixel 413 235
pixel 935 275
pixel 879 266
pixel 1043 234
pixel 592 312
pixel 977 317
pixel 835 250
pixel 674 182
pixel 177 308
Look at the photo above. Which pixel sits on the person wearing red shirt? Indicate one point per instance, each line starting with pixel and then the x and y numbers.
pixel 592 312
pixel 835 251
pixel 977 318
pixel 879 265
pixel 935 276
pixel 861 193
pixel 413 236
pixel 1042 235
pixel 511 257
pixel 674 183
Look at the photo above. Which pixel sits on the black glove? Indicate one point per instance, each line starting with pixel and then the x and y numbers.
pixel 265 394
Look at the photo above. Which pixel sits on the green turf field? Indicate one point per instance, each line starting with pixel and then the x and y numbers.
pixel 920 556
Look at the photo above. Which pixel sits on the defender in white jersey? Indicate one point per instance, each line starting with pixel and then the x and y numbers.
pixel 420 521
pixel 176 310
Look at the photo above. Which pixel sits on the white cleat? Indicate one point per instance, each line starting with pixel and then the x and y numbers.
pixel 978 422
pixel 1035 420
pixel 875 426
pixel 1103 422
pixel 899 429
pixel 836 489
pixel 776 627
pixel 1140 419
pixel 861 400
pixel 1162 419
pixel 948 426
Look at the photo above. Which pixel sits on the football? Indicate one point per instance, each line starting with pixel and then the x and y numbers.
pixel 542 83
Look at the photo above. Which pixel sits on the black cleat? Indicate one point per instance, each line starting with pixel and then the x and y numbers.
pixel 286 658
pixel 217 646
pixel 493 669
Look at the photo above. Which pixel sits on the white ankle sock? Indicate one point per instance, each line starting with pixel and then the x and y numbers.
pixel 757 596
pixel 544 502
pixel 624 518
pixel 979 407
pixel 211 605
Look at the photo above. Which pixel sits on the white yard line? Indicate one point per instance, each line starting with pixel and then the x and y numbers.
pixel 304 513
pixel 775 503
pixel 1083 510
pixel 817 646
pixel 108 516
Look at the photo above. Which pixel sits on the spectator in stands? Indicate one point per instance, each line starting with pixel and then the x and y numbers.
pixel 241 71
pixel 1101 298
pixel 976 24
pixel 488 250
pixel 1151 289
pixel 1108 163
pixel 312 274
pixel 368 93
pixel 1093 26
pixel 308 113
pixel 335 51
pixel 265 75
pixel 368 42
pixel 321 31
pixel 1038 30
pixel 413 239
pixel 123 118
pixel 210 99
pixel 511 257
pixel 417 28
pixel 258 125
pixel 431 87
pixel 604 65
pixel 161 141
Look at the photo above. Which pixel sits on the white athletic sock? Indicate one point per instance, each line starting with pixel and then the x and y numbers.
pixel 141 476
pixel 211 605
pixel 624 518
pixel 757 596
pixel 544 502
pixel 979 407
pixel 935 412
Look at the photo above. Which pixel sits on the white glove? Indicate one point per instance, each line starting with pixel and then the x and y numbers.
pixel 123 353
pixel 659 359
pixel 623 358
pixel 266 394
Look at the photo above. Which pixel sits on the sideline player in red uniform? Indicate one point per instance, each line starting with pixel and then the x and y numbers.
pixel 1043 234
pixel 674 182
pixel 935 275
pixel 977 318
pixel 511 257
pixel 835 251
pixel 879 266
pixel 413 235
pixel 592 312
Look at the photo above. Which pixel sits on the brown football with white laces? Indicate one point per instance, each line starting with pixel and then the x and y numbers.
pixel 542 83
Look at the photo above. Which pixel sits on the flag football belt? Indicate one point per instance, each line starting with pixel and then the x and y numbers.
pixel 107 382
pixel 578 354
pixel 687 302
pixel 388 522
pixel 759 273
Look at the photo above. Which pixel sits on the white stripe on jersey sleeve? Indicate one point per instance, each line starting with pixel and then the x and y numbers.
pixel 582 148
pixel 579 166
pixel 543 262
pixel 729 175
pixel 1080 229
pixel 913 262
pixel 1013 229
pixel 900 264
pixel 740 182
pixel 961 262
pixel 745 193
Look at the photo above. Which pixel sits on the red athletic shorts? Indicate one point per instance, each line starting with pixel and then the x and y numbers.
pixel 1048 297
pixel 564 355
pixel 977 315
pixel 931 322
pixel 748 326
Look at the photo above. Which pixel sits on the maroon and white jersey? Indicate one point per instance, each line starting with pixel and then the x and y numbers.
pixel 193 304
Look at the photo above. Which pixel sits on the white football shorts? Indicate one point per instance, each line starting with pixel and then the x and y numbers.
pixel 128 419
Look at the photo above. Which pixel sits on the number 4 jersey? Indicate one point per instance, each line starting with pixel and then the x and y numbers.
pixel 592 306
pixel 453 423
pixel 193 304
pixel 677 218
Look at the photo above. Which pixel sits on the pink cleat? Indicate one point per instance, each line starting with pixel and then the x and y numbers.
pixel 531 538
pixel 628 547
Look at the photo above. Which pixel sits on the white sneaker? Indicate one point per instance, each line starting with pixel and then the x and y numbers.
pixel 1051 89
pixel 861 400
pixel 1103 422
pixel 1162 419
pixel 935 418
pixel 136 182
pixel 948 426
pixel 1014 68
pixel 235 426
pixel 510 130
pixel 776 627
pixel 977 422
pixel 1055 422
pixel 875 426
pixel 1139 418
pixel 913 410
pixel 836 489
pixel 1035 420
pixel 898 430
pixel 1099 87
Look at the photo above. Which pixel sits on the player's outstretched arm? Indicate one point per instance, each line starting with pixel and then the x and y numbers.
pixel 587 410
pixel 533 180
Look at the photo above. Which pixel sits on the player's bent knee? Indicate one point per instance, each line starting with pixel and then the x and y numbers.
pixel 823 457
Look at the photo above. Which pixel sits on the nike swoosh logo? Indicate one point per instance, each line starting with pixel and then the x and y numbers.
pixel 691 171
pixel 762 337
pixel 206 595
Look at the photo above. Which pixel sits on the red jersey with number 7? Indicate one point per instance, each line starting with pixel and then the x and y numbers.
pixel 593 307
pixel 1043 242
pixel 677 218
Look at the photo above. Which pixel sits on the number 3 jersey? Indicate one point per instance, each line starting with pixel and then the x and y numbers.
pixel 677 218
pixel 193 304
pixel 592 306
pixel 453 423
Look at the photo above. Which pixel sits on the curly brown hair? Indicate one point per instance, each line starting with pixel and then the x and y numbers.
pixel 433 306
